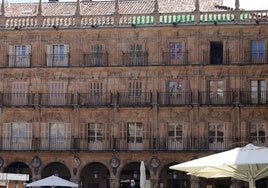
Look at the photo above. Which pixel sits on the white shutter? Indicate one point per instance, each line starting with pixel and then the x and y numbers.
pixel 83 135
pixel 28 55
pixel 28 135
pixel 44 135
pixel 57 93
pixel 66 55
pixel 11 55
pixel 6 136
pixel 49 55
pixel 19 93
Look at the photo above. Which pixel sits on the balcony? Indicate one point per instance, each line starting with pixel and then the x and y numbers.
pixel 178 144
pixel 58 60
pixel 135 59
pixel 56 99
pixel 215 97
pixel 94 99
pixel 253 97
pixel 177 58
pixel 17 99
pixel 174 99
pixel 256 57
pixel 137 99
pixel 19 61
pixel 97 59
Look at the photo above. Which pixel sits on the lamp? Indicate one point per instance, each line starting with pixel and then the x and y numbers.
pixel 96 174
pixel 135 174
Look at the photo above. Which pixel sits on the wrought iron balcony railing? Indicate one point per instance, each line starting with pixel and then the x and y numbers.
pixel 257 57
pixel 216 97
pixel 17 99
pixel 56 99
pixel 57 60
pixel 19 61
pixel 94 99
pixel 97 59
pixel 253 97
pixel 174 98
pixel 134 98
pixel 135 58
pixel 172 144
pixel 175 58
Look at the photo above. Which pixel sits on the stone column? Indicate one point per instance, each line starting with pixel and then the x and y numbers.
pixel 114 183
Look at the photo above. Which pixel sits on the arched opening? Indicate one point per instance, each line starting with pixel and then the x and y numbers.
pixel 95 175
pixel 173 178
pixel 57 169
pixel 130 175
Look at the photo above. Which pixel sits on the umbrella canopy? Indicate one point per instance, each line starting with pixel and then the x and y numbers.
pixel 142 175
pixel 248 163
pixel 52 181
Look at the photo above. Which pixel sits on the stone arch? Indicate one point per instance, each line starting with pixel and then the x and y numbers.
pixel 171 178
pixel 18 167
pixel 130 173
pixel 94 175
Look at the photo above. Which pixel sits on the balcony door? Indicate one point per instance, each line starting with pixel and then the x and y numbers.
pixel 57 95
pixel 134 136
pixel 175 133
pixel 258 92
pixel 216 53
pixel 19 93
pixel 216 136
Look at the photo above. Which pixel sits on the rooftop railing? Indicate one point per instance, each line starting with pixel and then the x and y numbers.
pixel 155 18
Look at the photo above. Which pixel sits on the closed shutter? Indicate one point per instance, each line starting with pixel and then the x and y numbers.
pixel 19 93
pixel 57 93
pixel 6 136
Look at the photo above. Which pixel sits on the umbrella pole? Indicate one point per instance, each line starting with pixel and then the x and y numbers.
pixel 251 183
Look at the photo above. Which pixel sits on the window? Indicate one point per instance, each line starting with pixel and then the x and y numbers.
pixel 17 136
pixel 135 88
pixel 19 93
pixel 134 135
pixel 216 92
pixel 175 88
pixel 136 55
pixel 258 92
pixel 257 133
pixel 57 95
pixel 56 136
pixel 175 133
pixel 216 53
pixel 19 56
pixel 216 136
pixel 95 89
pixel 57 55
pixel 96 55
pixel 95 136
pixel 257 49
pixel 175 50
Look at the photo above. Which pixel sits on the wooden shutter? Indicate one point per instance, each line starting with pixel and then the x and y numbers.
pixel 66 55
pixel 19 93
pixel 49 55
pixel 11 55
pixel 28 55
pixel 6 135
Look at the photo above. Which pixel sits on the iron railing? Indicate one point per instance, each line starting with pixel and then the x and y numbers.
pixel 56 99
pixel 19 61
pixel 57 60
pixel 174 98
pixel 175 58
pixel 172 144
pixel 135 58
pixel 216 97
pixel 96 59
pixel 17 99
pixel 94 99
pixel 134 98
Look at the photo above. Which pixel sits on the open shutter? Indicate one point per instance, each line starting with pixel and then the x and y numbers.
pixel 49 55
pixel 66 55
pixel 28 135
pixel 28 55
pixel 83 135
pixel 122 140
pixel 44 136
pixel 11 56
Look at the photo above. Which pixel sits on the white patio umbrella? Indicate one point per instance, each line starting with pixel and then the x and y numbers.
pixel 142 175
pixel 52 181
pixel 248 163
